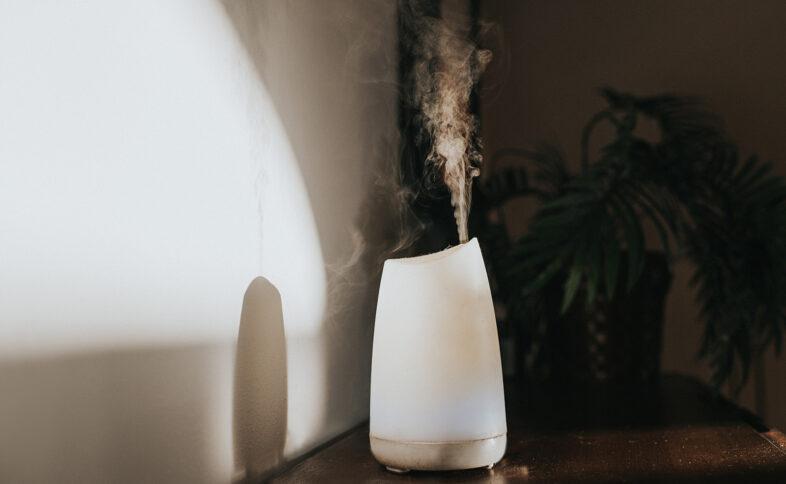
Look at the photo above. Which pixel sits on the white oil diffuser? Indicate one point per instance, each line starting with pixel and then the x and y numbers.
pixel 437 400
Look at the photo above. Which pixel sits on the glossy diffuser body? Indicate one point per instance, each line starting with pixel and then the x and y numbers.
pixel 437 399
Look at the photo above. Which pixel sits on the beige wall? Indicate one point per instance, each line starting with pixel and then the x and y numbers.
pixel 156 157
pixel 550 57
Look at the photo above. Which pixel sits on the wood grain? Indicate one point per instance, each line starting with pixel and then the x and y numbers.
pixel 680 432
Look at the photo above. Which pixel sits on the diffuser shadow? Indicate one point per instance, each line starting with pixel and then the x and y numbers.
pixel 260 387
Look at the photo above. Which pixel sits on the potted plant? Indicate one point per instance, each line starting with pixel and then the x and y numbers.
pixel 580 288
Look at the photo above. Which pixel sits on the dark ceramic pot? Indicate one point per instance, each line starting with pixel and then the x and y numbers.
pixel 615 343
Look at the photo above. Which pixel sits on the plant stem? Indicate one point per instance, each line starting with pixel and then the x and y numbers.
pixel 587 133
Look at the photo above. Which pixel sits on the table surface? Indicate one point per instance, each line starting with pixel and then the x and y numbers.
pixel 679 432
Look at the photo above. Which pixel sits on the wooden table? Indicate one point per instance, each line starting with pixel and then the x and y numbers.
pixel 678 432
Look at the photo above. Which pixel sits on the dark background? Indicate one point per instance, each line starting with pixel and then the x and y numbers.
pixel 549 58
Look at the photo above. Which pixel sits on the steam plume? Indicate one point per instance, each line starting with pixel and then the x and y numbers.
pixel 447 66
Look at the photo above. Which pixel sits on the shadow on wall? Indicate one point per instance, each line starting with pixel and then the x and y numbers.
pixel 260 391
pixel 329 68
pixel 153 415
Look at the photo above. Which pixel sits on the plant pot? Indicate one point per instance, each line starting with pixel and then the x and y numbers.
pixel 614 343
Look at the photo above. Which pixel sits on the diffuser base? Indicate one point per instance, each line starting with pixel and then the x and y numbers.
pixel 439 456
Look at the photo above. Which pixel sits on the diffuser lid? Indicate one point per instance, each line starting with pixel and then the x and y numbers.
pixel 435 256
